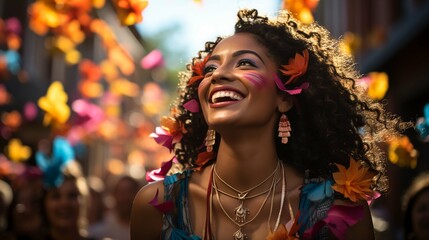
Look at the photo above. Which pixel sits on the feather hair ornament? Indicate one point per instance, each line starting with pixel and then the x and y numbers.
pixel 296 67
pixel 52 166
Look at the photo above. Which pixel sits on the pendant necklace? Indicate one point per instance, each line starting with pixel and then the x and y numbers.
pixel 241 212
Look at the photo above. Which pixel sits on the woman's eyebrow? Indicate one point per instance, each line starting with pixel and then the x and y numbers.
pixel 241 52
pixel 236 54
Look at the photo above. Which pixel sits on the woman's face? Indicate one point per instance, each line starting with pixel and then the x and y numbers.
pixel 62 205
pixel 420 216
pixel 27 218
pixel 238 88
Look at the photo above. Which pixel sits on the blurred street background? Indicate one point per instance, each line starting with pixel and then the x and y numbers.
pixel 101 73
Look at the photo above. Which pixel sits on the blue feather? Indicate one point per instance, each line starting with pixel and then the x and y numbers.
pixel 52 167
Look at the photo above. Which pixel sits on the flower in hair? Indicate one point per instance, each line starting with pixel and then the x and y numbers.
pixel 170 132
pixel 198 71
pixel 294 69
pixel 354 182
pixel 202 159
pixel 52 166
pixel 192 106
pixel 160 173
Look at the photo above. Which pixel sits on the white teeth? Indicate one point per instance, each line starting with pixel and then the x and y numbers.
pixel 229 94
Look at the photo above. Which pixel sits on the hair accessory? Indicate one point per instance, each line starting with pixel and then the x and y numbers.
pixel 297 67
pixel 160 173
pixel 353 182
pixel 170 132
pixel 192 106
pixel 52 167
pixel 210 139
pixel 284 128
pixel 198 71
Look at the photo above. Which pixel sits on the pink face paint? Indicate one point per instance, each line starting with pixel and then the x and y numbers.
pixel 256 79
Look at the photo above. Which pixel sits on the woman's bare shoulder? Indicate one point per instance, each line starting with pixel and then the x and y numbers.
pixel 146 220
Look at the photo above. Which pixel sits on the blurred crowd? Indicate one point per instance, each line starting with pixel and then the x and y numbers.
pixel 75 208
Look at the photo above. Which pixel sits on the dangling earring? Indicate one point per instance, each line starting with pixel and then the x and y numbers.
pixel 284 128
pixel 210 140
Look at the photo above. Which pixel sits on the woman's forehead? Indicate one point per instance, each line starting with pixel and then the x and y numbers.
pixel 241 41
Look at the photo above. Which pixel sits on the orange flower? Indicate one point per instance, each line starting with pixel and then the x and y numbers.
pixel 171 125
pixel 283 234
pixel 89 70
pixel 130 11
pixel 378 86
pixel 302 9
pixel 402 152
pixel 296 67
pixel 202 159
pixel 198 71
pixel 355 182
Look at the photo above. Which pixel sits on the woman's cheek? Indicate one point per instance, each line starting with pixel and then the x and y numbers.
pixel 256 79
pixel 202 88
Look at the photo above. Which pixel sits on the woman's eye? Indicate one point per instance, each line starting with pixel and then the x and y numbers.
pixel 246 62
pixel 209 69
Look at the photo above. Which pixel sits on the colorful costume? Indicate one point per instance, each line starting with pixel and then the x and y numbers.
pixel 316 204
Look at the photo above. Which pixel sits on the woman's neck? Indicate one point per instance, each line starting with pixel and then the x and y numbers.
pixel 245 159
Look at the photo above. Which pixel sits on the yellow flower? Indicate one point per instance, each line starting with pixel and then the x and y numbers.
pixel 355 182
pixel 130 11
pixel 18 152
pixel 55 104
pixel 378 85
pixel 402 152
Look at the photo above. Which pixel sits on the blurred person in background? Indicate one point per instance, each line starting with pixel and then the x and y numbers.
pixel 416 209
pixel 116 224
pixel 64 207
pixel 25 221
pixel 65 193
pixel 96 205
pixel 5 201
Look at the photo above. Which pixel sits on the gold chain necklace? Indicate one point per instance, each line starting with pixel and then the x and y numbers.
pixel 239 235
pixel 284 194
pixel 241 212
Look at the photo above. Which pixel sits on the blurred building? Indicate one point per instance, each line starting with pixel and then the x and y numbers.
pixel 388 36
pixel 41 66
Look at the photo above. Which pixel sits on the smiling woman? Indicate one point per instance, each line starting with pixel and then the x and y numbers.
pixel 275 140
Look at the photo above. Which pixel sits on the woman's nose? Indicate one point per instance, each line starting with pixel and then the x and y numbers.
pixel 222 73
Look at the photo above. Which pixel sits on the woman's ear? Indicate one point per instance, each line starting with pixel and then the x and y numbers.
pixel 285 103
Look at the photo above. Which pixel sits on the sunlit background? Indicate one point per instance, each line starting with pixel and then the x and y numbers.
pixel 102 73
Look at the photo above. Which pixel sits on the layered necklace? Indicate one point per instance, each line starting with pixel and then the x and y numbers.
pixel 241 212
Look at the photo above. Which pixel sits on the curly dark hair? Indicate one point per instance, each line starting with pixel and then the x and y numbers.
pixel 332 120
